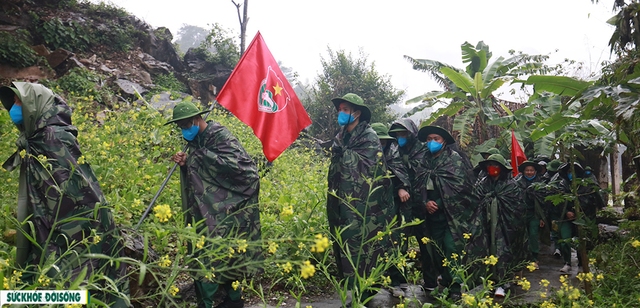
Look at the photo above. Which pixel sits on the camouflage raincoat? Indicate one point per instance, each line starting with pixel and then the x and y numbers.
pixel 450 177
pixel 369 209
pixel 220 187
pixel 59 195
pixel 412 156
pixel 505 225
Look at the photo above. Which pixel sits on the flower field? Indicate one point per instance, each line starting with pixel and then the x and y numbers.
pixel 129 150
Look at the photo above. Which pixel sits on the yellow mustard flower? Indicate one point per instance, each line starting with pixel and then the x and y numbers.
pixel 242 246
pixel 321 243
pixel 425 240
pixel 235 285
pixel 531 266
pixel 412 254
pixel 468 299
pixel 544 282
pixel 307 269
pixel 287 211
pixel 273 247
pixel 200 242
pixel 635 243
pixel 173 290
pixel 287 267
pixel 164 261
pixel 491 260
pixel 162 212
pixel 467 236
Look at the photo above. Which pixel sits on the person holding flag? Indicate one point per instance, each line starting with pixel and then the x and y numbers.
pixel 360 199
pixel 219 184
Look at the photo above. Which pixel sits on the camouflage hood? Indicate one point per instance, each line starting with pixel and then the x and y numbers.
pixel 40 107
pixel 405 124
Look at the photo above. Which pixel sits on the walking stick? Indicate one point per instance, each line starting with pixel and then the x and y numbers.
pixel 166 180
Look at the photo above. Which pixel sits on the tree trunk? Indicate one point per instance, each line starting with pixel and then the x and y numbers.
pixel 628 169
pixel 243 19
pixel 615 174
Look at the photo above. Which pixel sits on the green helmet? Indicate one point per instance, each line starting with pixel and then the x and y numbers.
pixel 185 110
pixel 381 131
pixel 495 158
pixel 490 151
pixel 554 165
pixel 426 130
pixel 355 100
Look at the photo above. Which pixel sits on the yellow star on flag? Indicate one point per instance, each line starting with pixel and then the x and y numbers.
pixel 277 88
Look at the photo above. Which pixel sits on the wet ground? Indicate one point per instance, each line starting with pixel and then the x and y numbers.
pixel 415 296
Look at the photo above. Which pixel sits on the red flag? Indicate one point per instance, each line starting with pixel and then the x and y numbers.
pixel 517 155
pixel 258 94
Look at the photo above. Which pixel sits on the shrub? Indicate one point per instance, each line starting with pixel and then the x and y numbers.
pixel 15 51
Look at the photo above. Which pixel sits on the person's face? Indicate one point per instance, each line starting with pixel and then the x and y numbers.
pixel 17 101
pixel 435 137
pixel 184 124
pixel 348 109
pixel 402 134
pixel 384 142
pixel 529 171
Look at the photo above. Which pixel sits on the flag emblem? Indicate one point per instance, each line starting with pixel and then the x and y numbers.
pixel 272 97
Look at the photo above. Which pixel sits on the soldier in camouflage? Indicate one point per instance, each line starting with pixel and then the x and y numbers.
pixel 59 196
pixel 401 186
pixel 564 214
pixel 533 198
pixel 412 152
pixel 356 210
pixel 220 185
pixel 444 190
pixel 500 197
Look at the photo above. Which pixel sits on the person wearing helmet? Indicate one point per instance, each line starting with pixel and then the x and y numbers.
pixel 501 198
pixel 220 186
pixel 451 220
pixel 360 200
pixel 401 186
pixel 535 214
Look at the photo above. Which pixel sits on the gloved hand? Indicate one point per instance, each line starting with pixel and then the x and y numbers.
pixel 336 151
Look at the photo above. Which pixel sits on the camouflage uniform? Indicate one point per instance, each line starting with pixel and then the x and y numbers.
pixel 358 160
pixel 590 202
pixel 60 196
pixel 501 198
pixel 220 186
pixel 535 209
pixel 448 182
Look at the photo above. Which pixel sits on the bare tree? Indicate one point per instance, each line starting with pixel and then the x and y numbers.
pixel 243 19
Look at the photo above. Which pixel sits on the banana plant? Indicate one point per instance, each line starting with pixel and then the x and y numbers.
pixel 468 94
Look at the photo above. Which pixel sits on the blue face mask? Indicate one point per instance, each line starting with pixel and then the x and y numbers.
pixel 402 141
pixel 529 178
pixel 16 114
pixel 587 172
pixel 570 176
pixel 345 118
pixel 434 146
pixel 190 133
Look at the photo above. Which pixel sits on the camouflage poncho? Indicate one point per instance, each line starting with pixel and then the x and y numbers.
pixel 451 177
pixel 60 194
pixel 400 178
pixel 369 209
pixel 412 156
pixel 220 187
pixel 502 201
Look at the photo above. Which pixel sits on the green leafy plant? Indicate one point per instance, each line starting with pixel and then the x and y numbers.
pixel 15 51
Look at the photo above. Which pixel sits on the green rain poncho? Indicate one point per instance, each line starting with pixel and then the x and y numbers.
pixel 59 195
pixel 370 208
pixel 501 198
pixel 220 186
pixel 412 156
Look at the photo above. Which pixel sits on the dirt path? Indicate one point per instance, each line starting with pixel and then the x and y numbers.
pixel 415 296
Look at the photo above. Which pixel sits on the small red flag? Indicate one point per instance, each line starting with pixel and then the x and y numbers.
pixel 258 94
pixel 517 155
